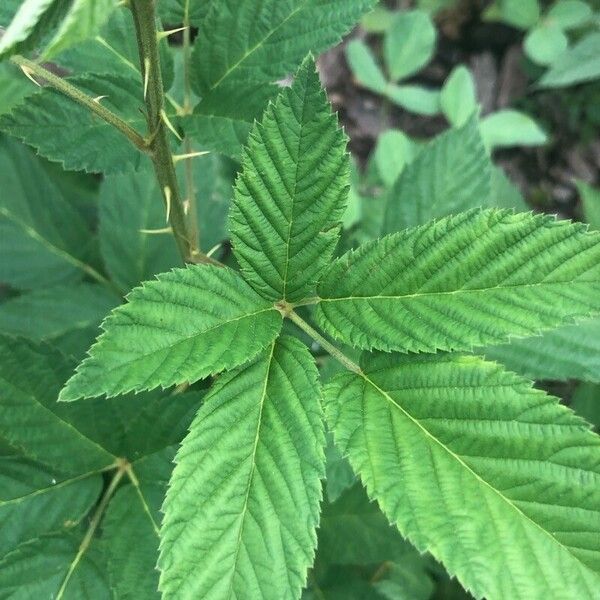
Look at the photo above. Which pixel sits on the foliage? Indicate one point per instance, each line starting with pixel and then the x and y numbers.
pixel 212 430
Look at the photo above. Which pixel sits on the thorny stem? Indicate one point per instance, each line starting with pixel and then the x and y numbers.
pixel 64 87
pixel 122 467
pixel 144 17
pixel 326 345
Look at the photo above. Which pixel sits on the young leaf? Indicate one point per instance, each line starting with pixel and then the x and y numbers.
pixel 458 98
pixel 569 14
pixel 291 193
pixel 36 501
pixel 39 569
pixel 472 279
pixel 511 128
pixel 520 13
pixel 243 504
pixel 393 152
pixel 545 43
pixel 409 43
pixel 43 241
pixel 364 67
pixel 497 480
pixel 569 352
pixel 63 131
pixel 31 377
pixel 579 63
pixel 414 98
pixel 505 193
pixel 186 325
pixel 441 181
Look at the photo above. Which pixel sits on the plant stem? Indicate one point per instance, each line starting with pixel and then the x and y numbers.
pixel 66 88
pixel 89 534
pixel 326 345
pixel 190 191
pixel 144 17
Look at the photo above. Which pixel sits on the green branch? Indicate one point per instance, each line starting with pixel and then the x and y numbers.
pixel 144 17
pixel 31 68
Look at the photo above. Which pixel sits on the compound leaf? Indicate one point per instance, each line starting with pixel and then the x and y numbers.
pixel 495 479
pixel 441 181
pixel 243 503
pixel 186 325
pixel 291 193
pixel 472 279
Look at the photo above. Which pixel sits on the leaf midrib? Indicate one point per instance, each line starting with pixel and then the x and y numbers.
pixel 465 291
pixel 252 470
pixel 478 478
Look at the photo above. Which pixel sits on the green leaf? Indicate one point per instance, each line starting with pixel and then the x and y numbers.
pixel 30 23
pixel 505 193
pixel 243 504
pixel 393 152
pixel 173 11
pixel 31 377
pixel 131 207
pixel 43 241
pixel 244 45
pixel 364 67
pixel 497 480
pixel 407 579
pixel 590 201
pixel 291 194
pixel 135 425
pixel 339 474
pixel 36 501
pixel 586 403
pixel 441 181
pixel 520 13
pixel 14 88
pixel 37 570
pixel 133 574
pixel 545 43
pixel 578 64
pixel 473 279
pixel 83 21
pixel 186 325
pixel 569 14
pixel 64 131
pixel 415 98
pixel 458 98
pixel 511 128
pixel 51 314
pixel 409 43
pixel 569 352
pixel 353 531
pixel 225 135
